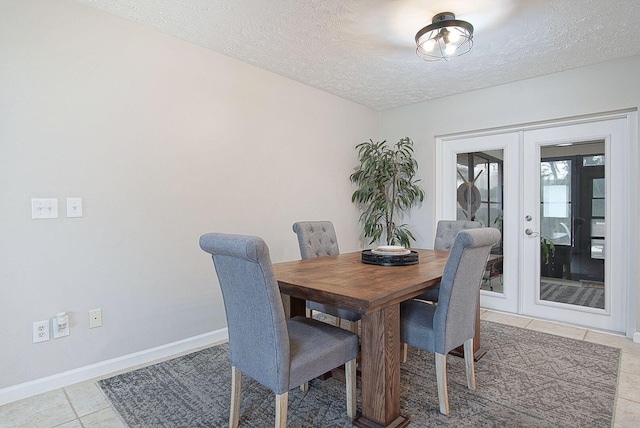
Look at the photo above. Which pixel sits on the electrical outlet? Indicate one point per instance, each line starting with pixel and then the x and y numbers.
pixel 95 318
pixel 41 331
pixel 60 325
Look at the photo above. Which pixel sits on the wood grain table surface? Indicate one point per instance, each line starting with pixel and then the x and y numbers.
pixel 375 292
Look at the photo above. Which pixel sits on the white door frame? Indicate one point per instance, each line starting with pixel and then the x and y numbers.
pixel 508 142
pixel 612 132
pixel 626 165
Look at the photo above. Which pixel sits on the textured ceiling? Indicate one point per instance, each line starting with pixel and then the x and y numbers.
pixel 364 50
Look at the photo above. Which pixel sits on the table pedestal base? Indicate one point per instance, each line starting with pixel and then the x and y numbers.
pixel 459 352
pixel 399 422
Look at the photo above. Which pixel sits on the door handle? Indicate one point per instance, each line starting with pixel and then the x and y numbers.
pixel 530 232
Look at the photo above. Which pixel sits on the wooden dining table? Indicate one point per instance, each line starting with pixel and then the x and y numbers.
pixel 375 292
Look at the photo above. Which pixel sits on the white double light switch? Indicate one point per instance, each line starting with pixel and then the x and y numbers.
pixel 43 208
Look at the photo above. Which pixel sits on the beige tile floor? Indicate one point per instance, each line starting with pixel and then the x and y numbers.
pixel 83 405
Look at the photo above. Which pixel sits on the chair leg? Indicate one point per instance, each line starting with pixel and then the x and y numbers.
pixel 304 387
pixel 405 353
pixel 338 322
pixel 308 312
pixel 468 360
pixel 441 377
pixel 350 380
pixel 282 400
pixel 236 387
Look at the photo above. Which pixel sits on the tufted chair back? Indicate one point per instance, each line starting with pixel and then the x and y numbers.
pixel 256 347
pixel 277 352
pixel 445 237
pixel 448 229
pixel 316 239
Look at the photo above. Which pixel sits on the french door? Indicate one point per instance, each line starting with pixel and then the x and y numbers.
pixel 560 195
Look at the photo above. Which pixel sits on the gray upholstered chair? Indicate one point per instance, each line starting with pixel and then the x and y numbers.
pixel 446 232
pixel 318 239
pixel 451 323
pixel 278 353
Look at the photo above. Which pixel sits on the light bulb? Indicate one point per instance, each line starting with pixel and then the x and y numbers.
pixel 454 34
pixel 428 45
pixel 450 49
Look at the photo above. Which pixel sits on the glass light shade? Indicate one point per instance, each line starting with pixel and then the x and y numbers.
pixel 428 45
pixel 444 38
pixel 450 49
pixel 454 34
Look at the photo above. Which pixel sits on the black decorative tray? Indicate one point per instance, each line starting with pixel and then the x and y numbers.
pixel 389 259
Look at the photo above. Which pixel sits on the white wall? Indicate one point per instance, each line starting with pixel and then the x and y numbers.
pixel 164 141
pixel 600 88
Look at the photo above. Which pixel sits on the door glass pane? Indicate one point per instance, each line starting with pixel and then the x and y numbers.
pixel 480 198
pixel 555 216
pixel 597 208
pixel 597 248
pixel 597 227
pixel 593 160
pixel 598 188
pixel 572 224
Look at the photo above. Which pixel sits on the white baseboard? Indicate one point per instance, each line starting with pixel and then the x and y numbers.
pixel 636 337
pixel 104 368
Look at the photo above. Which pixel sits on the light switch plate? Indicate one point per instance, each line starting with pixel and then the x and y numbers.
pixel 43 208
pixel 74 207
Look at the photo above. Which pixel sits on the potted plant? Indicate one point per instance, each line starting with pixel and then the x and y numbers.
pixel 386 188
pixel 547 249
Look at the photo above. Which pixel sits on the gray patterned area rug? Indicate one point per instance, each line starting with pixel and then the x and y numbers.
pixel 526 379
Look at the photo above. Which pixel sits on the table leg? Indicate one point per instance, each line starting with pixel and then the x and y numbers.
pixel 380 353
pixel 293 306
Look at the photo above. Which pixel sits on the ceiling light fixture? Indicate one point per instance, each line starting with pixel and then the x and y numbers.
pixel 444 38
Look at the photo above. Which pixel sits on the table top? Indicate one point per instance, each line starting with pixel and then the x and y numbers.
pixel 345 282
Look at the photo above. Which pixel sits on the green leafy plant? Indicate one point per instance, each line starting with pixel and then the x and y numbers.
pixel 386 187
pixel 547 249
